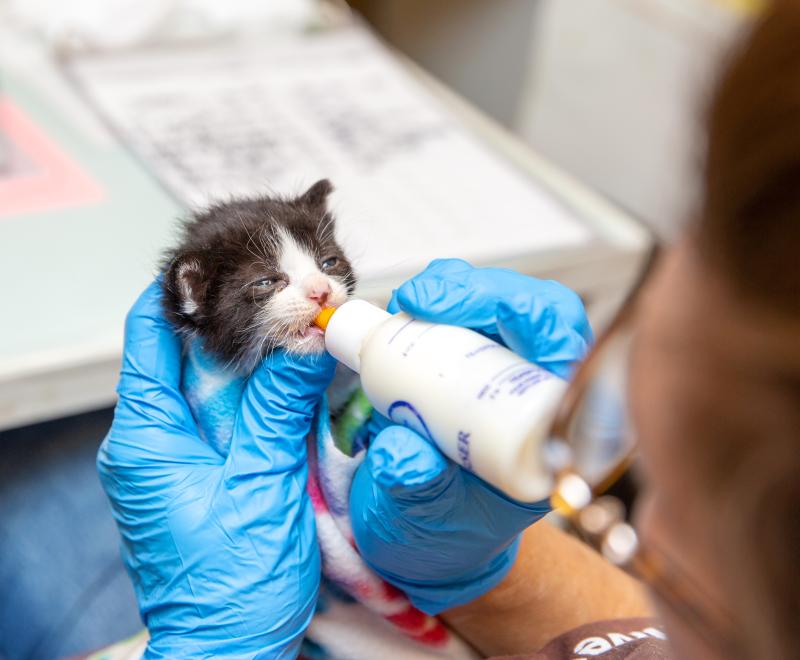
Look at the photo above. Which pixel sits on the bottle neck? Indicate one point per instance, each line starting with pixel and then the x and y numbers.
pixel 349 328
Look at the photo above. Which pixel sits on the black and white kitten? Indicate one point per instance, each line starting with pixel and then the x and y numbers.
pixel 251 275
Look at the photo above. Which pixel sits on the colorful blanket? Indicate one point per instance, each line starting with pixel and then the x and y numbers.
pixel 358 614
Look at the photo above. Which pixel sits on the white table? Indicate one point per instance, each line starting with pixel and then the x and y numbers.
pixel 68 276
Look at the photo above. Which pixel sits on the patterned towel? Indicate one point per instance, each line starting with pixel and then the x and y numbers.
pixel 358 614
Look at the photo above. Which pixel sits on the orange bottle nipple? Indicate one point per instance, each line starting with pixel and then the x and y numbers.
pixel 324 317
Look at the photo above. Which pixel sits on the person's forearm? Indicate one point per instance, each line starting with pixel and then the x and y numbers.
pixel 556 584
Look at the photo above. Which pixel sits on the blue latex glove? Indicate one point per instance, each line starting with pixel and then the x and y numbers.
pixel 427 526
pixel 541 320
pixel 222 551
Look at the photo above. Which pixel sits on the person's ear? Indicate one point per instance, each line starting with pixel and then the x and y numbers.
pixel 186 279
pixel 317 195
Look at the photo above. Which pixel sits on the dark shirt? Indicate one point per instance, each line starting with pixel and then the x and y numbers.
pixel 618 639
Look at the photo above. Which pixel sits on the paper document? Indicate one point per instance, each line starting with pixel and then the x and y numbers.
pixel 412 184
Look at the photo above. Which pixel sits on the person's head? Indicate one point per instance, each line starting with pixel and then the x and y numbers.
pixel 715 374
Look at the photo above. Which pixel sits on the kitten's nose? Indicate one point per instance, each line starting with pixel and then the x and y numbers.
pixel 318 290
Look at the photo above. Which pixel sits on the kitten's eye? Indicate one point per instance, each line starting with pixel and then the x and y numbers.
pixel 329 263
pixel 265 282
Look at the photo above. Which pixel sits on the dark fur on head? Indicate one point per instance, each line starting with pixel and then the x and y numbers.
pixel 224 281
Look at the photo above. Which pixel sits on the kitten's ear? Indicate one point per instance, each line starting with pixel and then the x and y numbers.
pixel 186 279
pixel 317 195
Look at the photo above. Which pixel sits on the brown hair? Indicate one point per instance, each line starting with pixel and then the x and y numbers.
pixel 749 232
pixel 751 214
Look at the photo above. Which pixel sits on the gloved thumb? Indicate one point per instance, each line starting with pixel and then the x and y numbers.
pixel 409 469
pixel 276 414
pixel 550 337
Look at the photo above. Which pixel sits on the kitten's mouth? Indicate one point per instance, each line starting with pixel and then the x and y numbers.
pixel 307 337
pixel 312 331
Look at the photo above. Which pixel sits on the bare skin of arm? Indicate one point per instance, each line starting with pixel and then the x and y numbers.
pixel 556 584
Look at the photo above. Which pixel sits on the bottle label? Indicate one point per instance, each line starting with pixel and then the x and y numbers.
pixel 403 413
pixel 514 380
pixel 462 447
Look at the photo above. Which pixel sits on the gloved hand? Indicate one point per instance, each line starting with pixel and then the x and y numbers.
pixel 222 552
pixel 423 523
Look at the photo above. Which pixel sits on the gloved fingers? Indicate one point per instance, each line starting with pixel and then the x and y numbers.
pixel 139 452
pixel 448 291
pixel 149 385
pixel 510 516
pixel 554 335
pixel 541 320
pixel 546 301
pixel 408 468
pixel 276 414
pixel 152 354
pixel 393 307
pixel 412 471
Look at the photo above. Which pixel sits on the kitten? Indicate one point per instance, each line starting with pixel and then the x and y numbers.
pixel 251 275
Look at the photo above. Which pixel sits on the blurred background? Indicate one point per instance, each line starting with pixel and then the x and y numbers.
pixel 558 137
pixel 610 90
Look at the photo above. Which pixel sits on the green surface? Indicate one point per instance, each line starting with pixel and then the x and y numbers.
pixel 68 276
